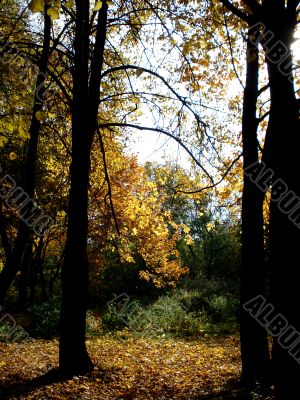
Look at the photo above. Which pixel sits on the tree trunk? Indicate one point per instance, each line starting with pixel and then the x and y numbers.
pixel 24 277
pixel 284 234
pixel 254 344
pixel 73 357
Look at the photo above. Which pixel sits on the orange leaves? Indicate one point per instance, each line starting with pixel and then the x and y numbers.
pixel 143 223
pixel 127 369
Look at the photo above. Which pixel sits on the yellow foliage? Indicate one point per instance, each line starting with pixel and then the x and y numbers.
pixel 145 228
pixel 36 6
pixel 98 6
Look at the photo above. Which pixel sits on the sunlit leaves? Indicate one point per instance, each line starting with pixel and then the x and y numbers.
pixel 53 12
pixel 145 228
pixel 53 7
pixel 131 369
pixel 69 4
pixel 24 134
pixel 36 6
pixel 98 6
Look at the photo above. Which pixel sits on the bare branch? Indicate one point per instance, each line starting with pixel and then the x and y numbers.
pixel 236 11
pixel 146 128
pixel 107 178
pixel 182 99
pixel 216 183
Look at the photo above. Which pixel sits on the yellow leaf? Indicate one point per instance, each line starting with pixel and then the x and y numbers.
pixel 53 13
pixel 10 127
pixel 12 155
pixel 136 100
pixel 23 133
pixel 69 4
pixel 41 115
pixel 36 6
pixel 3 141
pixel 98 6
pixel 109 3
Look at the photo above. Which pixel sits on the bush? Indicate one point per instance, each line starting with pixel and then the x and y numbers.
pixel 45 319
pixel 168 315
pixel 93 324
pixel 180 313
pixel 165 316
pixel 4 332
pixel 222 309
pixel 113 321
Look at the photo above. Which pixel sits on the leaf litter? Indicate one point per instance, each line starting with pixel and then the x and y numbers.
pixel 129 368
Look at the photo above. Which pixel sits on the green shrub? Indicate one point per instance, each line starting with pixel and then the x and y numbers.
pixel 113 321
pixel 4 332
pixel 165 316
pixel 180 313
pixel 93 324
pixel 45 319
pixel 222 308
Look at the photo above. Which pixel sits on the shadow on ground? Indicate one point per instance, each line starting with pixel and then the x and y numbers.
pixel 18 387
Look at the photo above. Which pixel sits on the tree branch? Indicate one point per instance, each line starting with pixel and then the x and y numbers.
pixel 146 128
pixel 102 147
pixel 180 98
pixel 236 11
pixel 216 183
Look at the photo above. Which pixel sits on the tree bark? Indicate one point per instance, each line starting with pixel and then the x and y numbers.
pixel 73 356
pixel 284 160
pixel 254 344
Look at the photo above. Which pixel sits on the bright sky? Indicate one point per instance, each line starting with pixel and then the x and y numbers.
pixel 151 146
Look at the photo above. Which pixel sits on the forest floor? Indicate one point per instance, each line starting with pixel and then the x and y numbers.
pixel 127 368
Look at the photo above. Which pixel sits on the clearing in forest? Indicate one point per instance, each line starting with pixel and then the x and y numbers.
pixel 128 368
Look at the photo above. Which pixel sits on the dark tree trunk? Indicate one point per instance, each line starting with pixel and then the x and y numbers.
pixel 284 128
pixel 24 277
pixel 284 235
pixel 254 344
pixel 36 270
pixel 73 357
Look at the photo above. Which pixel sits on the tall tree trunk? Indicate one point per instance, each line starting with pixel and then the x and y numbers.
pixel 254 344
pixel 13 264
pixel 24 277
pixel 284 234
pixel 73 356
pixel 284 161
